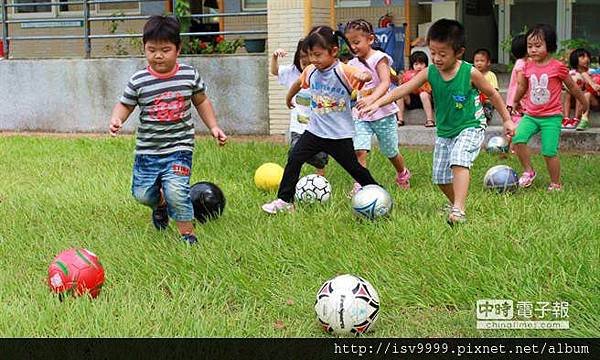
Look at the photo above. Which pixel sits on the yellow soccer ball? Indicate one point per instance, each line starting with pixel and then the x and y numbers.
pixel 268 176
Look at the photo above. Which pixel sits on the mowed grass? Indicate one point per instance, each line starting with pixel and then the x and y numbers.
pixel 254 275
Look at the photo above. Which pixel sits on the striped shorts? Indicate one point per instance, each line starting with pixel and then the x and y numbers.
pixel 461 150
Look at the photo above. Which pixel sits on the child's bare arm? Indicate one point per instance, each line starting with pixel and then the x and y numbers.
pixel 575 91
pixel 275 60
pixel 383 71
pixel 590 81
pixel 398 93
pixel 207 114
pixel 494 96
pixel 118 117
pixel 294 89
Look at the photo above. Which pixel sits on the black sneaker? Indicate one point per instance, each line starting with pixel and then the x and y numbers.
pixel 189 238
pixel 160 217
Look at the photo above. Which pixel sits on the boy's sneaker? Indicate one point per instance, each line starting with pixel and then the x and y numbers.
pixel 278 205
pixel 456 216
pixel 526 179
pixel 355 188
pixel 160 217
pixel 584 124
pixel 189 238
pixel 403 179
pixel 554 187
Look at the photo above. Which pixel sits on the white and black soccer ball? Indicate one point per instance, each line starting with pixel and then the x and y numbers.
pixel 347 305
pixel 497 144
pixel 313 188
pixel 372 201
pixel 501 178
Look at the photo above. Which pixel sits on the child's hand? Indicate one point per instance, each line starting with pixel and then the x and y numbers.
pixel 368 110
pixel 364 102
pixel 289 102
pixel 218 134
pixel 509 129
pixel 115 125
pixel 279 53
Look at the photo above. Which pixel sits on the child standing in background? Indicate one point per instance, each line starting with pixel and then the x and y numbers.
pixel 460 121
pixel 542 78
pixel 482 59
pixel 331 127
pixel 518 50
pixel 420 98
pixel 383 122
pixel 300 114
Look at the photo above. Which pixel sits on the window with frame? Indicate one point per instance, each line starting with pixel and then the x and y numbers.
pixel 254 5
pixel 65 7
pixel 352 3
pixel 31 9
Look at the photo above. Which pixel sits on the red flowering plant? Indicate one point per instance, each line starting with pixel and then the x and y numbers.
pixel 218 46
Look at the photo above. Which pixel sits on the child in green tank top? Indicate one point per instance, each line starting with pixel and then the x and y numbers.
pixel 460 120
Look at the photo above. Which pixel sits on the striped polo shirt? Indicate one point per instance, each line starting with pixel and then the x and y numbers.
pixel 165 102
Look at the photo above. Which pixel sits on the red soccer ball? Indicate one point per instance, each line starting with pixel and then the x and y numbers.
pixel 76 272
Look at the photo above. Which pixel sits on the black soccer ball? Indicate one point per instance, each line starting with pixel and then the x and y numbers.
pixel 208 201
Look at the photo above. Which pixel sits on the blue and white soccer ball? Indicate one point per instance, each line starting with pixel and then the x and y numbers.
pixel 497 144
pixel 313 188
pixel 372 201
pixel 347 305
pixel 501 178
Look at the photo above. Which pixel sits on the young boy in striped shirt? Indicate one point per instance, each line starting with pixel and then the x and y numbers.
pixel 165 91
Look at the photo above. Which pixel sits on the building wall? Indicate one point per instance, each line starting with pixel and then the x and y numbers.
pixel 75 95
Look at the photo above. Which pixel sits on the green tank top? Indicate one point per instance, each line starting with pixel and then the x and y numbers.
pixel 456 102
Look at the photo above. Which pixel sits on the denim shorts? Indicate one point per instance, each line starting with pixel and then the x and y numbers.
pixel 169 172
pixel 386 131
pixel 461 150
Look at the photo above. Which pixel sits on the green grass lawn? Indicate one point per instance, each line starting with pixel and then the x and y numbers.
pixel 254 275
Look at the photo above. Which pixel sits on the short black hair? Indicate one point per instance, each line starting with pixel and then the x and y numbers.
pixel 484 52
pixel 162 28
pixel 418 57
pixel 300 48
pixel 447 31
pixel 518 46
pixel 575 55
pixel 546 33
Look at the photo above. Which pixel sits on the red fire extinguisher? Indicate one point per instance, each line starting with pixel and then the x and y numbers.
pixel 1 49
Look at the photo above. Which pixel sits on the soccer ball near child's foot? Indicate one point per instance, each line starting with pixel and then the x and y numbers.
pixel 75 272
pixel 347 305
pixel 208 201
pixel 313 188
pixel 497 144
pixel 501 178
pixel 372 201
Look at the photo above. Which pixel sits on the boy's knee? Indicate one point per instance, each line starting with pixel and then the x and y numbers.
pixel 146 197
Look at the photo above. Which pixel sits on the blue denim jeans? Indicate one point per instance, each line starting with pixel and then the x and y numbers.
pixel 169 172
